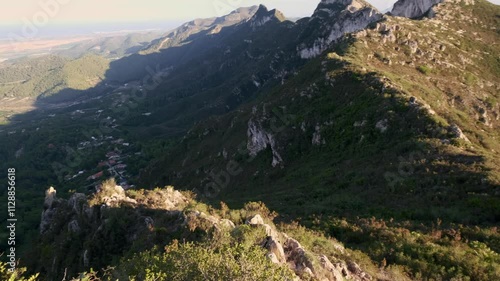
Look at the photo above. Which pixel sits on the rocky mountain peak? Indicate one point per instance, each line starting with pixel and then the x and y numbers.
pixel 199 27
pixel 329 7
pixel 413 8
pixel 263 15
pixel 237 15
pixel 418 8
pixel 334 18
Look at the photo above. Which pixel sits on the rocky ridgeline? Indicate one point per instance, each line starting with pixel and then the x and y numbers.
pixel 89 218
pixel 86 225
pixel 214 25
pixel 78 210
pixel 419 8
pixel 283 249
pixel 339 17
pixel 413 8
pixel 400 42
pixel 263 16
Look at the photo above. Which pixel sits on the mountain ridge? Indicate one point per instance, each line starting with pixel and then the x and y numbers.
pixel 196 26
pixel 263 15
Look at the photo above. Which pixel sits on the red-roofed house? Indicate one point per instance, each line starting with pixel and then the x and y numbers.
pixel 96 176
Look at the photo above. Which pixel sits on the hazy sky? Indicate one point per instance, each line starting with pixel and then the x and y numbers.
pixel 77 11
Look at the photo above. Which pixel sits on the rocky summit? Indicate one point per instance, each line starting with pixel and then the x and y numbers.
pixel 263 15
pixel 413 8
pixel 419 8
pixel 332 19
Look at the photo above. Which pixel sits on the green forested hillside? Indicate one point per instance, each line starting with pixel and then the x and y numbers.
pixel 112 47
pixel 47 75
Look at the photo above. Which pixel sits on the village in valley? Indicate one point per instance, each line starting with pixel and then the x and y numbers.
pixel 112 165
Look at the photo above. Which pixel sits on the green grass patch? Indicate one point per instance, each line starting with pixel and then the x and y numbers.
pixel 424 69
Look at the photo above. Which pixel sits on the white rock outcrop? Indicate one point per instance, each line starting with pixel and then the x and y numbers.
pixel 458 133
pixel 259 140
pixel 50 196
pixel 382 125
pixel 352 16
pixel 48 210
pixel 316 139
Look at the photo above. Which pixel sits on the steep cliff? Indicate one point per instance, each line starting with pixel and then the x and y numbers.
pixel 334 18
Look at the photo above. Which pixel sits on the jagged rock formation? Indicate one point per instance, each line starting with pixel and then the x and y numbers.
pixel 49 205
pixel 100 217
pixel 418 8
pixel 336 18
pixel 263 15
pixel 259 139
pixel 413 8
pixel 283 249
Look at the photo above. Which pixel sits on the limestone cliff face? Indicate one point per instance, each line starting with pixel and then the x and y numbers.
pixel 259 139
pixel 418 8
pixel 336 18
pixel 413 8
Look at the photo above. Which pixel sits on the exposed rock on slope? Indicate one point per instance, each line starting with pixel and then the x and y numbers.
pixel 136 222
pixel 263 15
pixel 259 140
pixel 283 249
pixel 335 18
pixel 418 8
pixel 413 8
pixel 109 215
pixel 199 27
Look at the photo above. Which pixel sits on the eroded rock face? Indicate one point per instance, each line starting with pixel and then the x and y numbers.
pixel 413 8
pixel 335 272
pixel 336 18
pixel 458 133
pixel 282 249
pixel 276 249
pixel 48 210
pixel 50 196
pixel 259 139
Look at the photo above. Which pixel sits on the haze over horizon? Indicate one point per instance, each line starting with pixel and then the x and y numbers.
pixel 59 17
